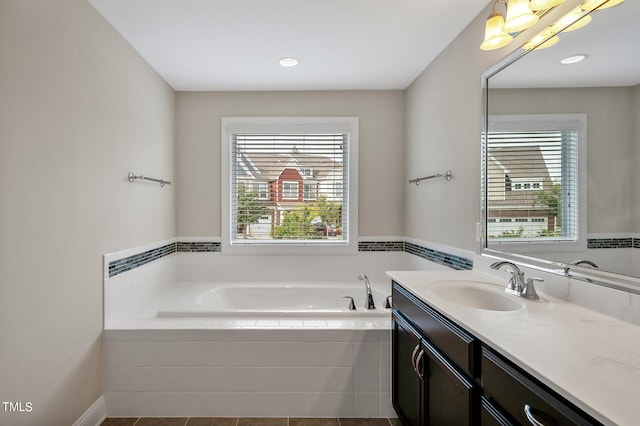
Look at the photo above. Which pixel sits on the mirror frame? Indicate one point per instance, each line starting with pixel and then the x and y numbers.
pixel 613 280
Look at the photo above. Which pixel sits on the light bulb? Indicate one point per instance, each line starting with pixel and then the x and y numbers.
pixel 519 16
pixel 538 42
pixel 536 5
pixel 495 36
pixel 590 5
pixel 571 21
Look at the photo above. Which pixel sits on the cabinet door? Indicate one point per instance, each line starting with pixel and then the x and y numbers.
pixel 406 389
pixel 449 395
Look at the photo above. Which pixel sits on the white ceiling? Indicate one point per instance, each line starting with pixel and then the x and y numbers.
pixel 341 44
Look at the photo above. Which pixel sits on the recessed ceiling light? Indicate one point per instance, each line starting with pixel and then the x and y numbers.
pixel 288 62
pixel 574 59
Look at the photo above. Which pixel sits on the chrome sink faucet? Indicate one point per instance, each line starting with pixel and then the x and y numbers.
pixel 578 263
pixel 516 280
pixel 518 286
pixel 369 297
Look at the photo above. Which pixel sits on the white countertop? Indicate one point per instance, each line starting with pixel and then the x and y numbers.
pixel 591 359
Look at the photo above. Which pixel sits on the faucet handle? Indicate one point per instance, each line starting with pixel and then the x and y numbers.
pixel 514 285
pixel 529 291
pixel 387 303
pixel 352 305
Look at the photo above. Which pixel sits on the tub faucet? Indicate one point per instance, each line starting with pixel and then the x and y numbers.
pixel 369 298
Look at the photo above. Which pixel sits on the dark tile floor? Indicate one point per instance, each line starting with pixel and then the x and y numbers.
pixel 244 421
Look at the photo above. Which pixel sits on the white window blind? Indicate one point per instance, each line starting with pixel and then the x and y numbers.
pixel 532 184
pixel 282 187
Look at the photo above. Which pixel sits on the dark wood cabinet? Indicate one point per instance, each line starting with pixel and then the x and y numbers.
pixel 427 387
pixel 407 383
pixel 524 399
pixel 442 375
pixel 493 416
pixel 449 395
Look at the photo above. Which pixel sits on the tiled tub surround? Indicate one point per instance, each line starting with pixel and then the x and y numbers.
pixel 248 372
pixel 251 366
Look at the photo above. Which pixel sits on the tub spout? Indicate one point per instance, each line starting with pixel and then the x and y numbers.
pixel 369 297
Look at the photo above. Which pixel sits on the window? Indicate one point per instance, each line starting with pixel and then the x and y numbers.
pixel 526 184
pixel 290 190
pixel 303 174
pixel 262 190
pixel 309 191
pixel 533 176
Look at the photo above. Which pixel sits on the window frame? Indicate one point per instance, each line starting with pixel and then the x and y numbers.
pixel 520 122
pixel 350 125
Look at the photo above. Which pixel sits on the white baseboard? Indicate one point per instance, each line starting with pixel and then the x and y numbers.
pixel 94 414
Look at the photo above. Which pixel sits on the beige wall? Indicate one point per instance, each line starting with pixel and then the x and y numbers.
pixel 636 157
pixel 610 161
pixel 381 145
pixel 79 109
pixel 444 110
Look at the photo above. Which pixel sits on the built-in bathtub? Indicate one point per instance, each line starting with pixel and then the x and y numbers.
pixel 274 300
pixel 176 344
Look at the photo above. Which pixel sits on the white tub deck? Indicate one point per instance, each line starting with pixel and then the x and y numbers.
pixel 257 306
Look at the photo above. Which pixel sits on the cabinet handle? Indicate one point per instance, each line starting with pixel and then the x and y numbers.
pixel 532 419
pixel 413 357
pixel 420 373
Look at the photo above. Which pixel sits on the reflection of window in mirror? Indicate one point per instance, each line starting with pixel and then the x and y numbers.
pixel 532 178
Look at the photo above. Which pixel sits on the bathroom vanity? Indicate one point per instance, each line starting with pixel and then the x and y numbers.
pixel 465 352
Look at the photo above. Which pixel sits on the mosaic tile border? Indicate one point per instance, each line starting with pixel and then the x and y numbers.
pixel 131 262
pixel 604 243
pixel 198 247
pixel 446 259
pixel 381 246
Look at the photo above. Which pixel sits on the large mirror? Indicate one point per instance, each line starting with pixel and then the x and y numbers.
pixel 561 152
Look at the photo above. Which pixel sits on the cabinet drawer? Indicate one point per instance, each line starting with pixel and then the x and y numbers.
pixel 492 416
pixel 520 396
pixel 447 336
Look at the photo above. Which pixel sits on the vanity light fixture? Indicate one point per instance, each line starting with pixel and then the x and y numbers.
pixel 564 24
pixel 499 33
pixel 519 16
pixel 538 42
pixel 537 5
pixel 574 59
pixel 495 36
pixel 599 4
pixel 288 62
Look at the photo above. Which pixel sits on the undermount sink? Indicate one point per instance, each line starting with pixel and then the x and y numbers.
pixel 479 296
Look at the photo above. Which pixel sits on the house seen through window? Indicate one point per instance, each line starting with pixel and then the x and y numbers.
pixel 532 182
pixel 284 186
